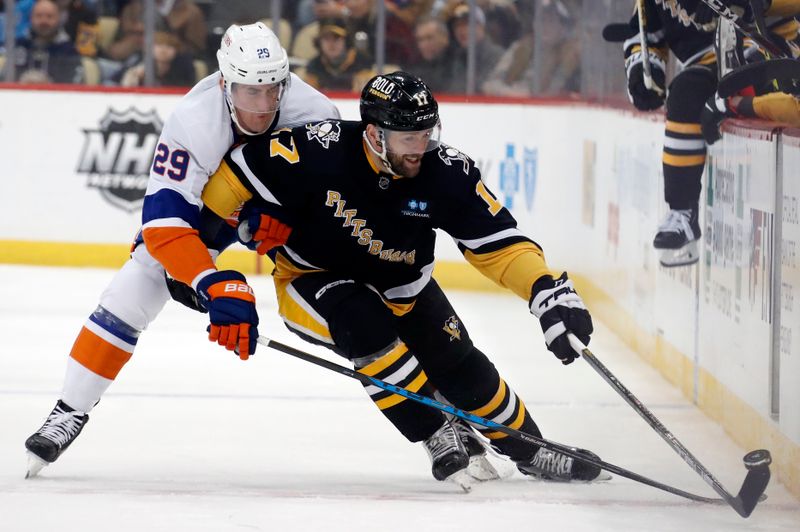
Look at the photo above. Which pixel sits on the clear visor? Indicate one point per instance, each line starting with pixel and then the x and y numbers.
pixel 257 98
pixel 412 142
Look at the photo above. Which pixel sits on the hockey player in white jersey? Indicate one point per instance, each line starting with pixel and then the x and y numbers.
pixel 252 93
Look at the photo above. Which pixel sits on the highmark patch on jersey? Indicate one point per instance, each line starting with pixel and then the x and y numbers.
pixel 363 233
pixel 116 156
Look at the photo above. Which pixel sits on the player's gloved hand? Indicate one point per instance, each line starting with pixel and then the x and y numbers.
pixel 260 230
pixel 232 310
pixel 714 112
pixel 560 310
pixel 640 96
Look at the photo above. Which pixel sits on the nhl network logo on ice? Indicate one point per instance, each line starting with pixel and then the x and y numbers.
pixel 116 157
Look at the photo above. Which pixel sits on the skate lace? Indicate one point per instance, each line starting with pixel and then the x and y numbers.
pixel 554 463
pixel 442 442
pixel 677 221
pixel 61 426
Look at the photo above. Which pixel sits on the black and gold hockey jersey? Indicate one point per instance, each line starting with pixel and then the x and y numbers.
pixel 351 218
pixel 669 24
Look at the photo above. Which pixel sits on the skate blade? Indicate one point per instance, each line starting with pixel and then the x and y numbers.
pixel 684 256
pixel 462 479
pixel 481 469
pixel 35 465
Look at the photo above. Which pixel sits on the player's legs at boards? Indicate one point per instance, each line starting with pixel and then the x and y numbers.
pixel 684 159
pixel 352 320
pixel 105 343
pixel 468 380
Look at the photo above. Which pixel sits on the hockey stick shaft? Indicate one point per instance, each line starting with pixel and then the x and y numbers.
pixel 648 76
pixel 742 507
pixel 725 12
pixel 523 436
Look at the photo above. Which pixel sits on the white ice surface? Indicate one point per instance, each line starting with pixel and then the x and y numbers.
pixel 189 438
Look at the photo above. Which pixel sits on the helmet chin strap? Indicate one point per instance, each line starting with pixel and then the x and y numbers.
pixel 382 154
pixel 244 130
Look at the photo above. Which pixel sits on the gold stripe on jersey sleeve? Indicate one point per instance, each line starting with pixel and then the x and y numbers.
pixel 788 30
pixel 778 107
pixel 224 193
pixel 684 127
pixel 393 399
pixel 709 58
pixel 683 160
pixel 495 402
pixel 515 267
pixel 385 361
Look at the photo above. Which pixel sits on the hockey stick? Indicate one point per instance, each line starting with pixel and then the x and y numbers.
pixel 648 76
pixel 725 12
pixel 523 436
pixel 783 70
pixel 756 462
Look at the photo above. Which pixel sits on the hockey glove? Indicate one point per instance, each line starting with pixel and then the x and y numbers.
pixel 232 310
pixel 714 112
pixel 261 231
pixel 560 310
pixel 640 96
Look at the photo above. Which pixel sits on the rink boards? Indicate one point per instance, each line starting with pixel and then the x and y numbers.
pixel 584 182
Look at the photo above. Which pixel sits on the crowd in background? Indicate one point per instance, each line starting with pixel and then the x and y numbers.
pixel 331 43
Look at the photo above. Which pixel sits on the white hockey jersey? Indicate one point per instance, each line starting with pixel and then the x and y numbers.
pixel 193 141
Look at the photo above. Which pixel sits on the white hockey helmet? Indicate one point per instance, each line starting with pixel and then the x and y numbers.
pixel 251 55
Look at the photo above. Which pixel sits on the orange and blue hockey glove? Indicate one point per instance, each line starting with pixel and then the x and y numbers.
pixel 231 307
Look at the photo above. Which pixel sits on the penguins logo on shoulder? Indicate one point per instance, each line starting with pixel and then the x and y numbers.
pixel 324 133
pixel 450 155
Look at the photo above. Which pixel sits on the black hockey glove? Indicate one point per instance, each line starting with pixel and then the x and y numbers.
pixel 560 310
pixel 640 96
pixel 714 112
pixel 703 14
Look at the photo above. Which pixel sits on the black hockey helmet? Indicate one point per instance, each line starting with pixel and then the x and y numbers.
pixel 400 102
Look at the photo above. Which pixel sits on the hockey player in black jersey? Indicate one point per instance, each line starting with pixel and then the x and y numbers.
pixel 685 27
pixel 363 199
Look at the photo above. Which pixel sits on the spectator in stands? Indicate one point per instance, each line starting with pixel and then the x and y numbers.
pixel 433 44
pixel 514 74
pixel 81 25
pixel 558 70
pixel 338 62
pixel 22 16
pixel 310 11
pixel 187 22
pixel 128 43
pixel 171 68
pixel 487 53
pixel 400 48
pixel 46 54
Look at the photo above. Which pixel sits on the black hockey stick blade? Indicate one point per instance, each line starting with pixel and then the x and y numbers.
pixel 782 70
pixel 618 32
pixel 752 490
pixel 755 461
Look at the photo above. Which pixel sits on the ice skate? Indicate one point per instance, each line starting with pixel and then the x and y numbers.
pixel 554 466
pixel 479 468
pixel 677 238
pixel 61 428
pixel 449 458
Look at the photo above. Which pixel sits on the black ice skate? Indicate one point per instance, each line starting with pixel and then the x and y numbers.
pixel 552 465
pixel 61 428
pixel 449 458
pixel 677 237
pixel 480 468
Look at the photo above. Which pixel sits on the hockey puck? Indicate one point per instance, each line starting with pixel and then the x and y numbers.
pixel 758 458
